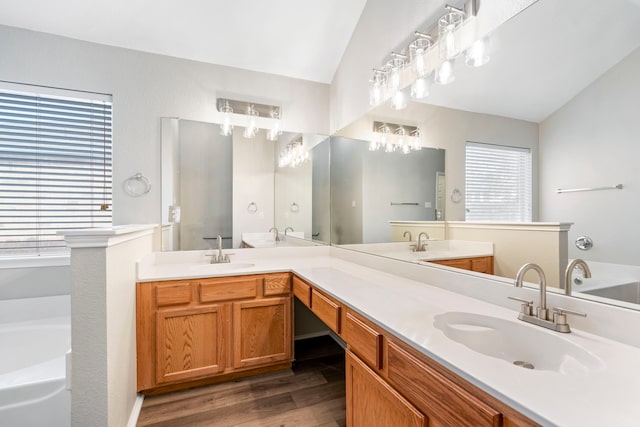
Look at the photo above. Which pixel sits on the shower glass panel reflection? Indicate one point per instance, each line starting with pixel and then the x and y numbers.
pixel 205 185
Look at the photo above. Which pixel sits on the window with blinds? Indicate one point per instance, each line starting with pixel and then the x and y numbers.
pixel 497 183
pixel 55 168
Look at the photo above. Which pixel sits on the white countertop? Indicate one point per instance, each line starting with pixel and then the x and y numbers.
pixel 434 250
pixel 607 395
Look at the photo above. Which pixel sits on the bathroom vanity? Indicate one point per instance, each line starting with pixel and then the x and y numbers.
pixel 416 354
pixel 212 329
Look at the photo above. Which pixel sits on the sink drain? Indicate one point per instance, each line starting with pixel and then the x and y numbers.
pixel 524 364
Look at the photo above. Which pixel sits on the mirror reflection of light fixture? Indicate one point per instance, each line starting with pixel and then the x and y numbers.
pixel 429 57
pixel 276 126
pixel 418 53
pixel 376 87
pixel 293 154
pixel 392 137
pixel 444 73
pixel 395 66
pixel 478 54
pixel 399 100
pixel 226 128
pixel 448 33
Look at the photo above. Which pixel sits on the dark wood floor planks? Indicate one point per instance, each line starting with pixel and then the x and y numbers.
pixel 311 394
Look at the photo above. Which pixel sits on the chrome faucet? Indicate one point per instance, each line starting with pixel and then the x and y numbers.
pixel 288 229
pixel 541 312
pixel 541 318
pixel 275 234
pixel 409 233
pixel 421 246
pixel 569 272
pixel 220 258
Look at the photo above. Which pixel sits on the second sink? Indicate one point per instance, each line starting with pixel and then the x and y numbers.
pixel 517 343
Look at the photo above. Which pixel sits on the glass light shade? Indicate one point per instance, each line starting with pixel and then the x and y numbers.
pixel 373 146
pixel 252 123
pixel 418 53
pixel 415 143
pixel 395 67
pixel 478 54
pixel 376 93
pixel 420 88
pixel 389 147
pixel 276 125
pixel 226 128
pixel 398 100
pixel 376 87
pixel 444 73
pixel 448 34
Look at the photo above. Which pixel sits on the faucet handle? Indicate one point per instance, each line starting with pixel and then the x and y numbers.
pixel 526 307
pixel 560 315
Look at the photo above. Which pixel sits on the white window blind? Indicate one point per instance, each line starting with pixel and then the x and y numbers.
pixel 497 183
pixel 55 168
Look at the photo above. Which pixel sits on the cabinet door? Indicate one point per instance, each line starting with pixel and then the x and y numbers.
pixel 190 343
pixel 261 332
pixel 372 402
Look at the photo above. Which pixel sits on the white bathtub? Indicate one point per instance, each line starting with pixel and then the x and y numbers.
pixel 35 334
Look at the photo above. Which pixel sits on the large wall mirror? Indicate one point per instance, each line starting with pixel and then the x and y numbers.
pixel 563 81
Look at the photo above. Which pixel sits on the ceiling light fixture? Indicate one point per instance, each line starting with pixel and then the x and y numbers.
pixel 430 57
pixel 250 115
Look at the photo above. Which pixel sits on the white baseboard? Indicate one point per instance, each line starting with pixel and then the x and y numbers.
pixel 135 411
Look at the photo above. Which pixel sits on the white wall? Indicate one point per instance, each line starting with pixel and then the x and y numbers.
pixel 592 141
pixel 103 332
pixel 146 87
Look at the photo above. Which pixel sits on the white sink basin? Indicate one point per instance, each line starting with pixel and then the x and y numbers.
pixel 226 267
pixel 517 343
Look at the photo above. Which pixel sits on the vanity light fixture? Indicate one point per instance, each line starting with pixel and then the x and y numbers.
pixel 268 117
pixel 392 137
pixel 430 57
pixel 293 154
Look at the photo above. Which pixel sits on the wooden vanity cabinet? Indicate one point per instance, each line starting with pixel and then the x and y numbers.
pixel 192 332
pixel 479 264
pixel 372 402
pixel 391 383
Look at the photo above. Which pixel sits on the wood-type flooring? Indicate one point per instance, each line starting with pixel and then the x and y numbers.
pixel 311 394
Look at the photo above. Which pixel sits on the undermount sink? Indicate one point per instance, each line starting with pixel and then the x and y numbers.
pixel 226 266
pixel 517 343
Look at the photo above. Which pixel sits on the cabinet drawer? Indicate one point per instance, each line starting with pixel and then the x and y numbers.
pixel 435 394
pixel 326 309
pixel 464 263
pixel 172 294
pixel 277 284
pixel 224 290
pixel 302 291
pixel 482 265
pixel 363 340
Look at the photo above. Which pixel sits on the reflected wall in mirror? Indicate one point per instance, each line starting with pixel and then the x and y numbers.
pixel 371 188
pixel 302 190
pixel 571 94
